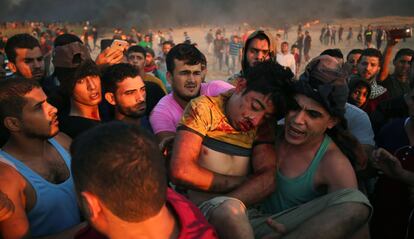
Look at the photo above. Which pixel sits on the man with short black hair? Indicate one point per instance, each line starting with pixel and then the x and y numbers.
pixel 352 60
pixel 136 202
pixel 125 90
pixel 35 165
pixel 396 83
pixel 25 59
pixel 154 86
pixel 185 73
pixel 369 66
pixel 285 58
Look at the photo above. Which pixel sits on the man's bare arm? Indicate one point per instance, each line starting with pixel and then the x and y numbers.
pixel 12 184
pixel 185 170
pixel 385 69
pixel 263 180
pixel 337 171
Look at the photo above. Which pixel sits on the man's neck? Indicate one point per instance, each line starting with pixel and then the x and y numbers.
pixel 162 225
pixel 85 111
pixel 183 103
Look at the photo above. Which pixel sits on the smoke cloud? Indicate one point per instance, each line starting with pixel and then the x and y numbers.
pixel 170 13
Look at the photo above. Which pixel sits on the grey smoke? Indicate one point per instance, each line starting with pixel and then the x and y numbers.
pixel 169 13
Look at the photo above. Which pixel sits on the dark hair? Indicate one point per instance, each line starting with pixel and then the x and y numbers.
pixel 371 52
pixel 65 39
pixel 138 49
pixel 150 51
pixel 334 52
pixel 183 52
pixel 12 92
pixel 353 51
pixel 117 73
pixel 168 43
pixel 121 164
pixel 24 40
pixel 271 78
pixel 86 68
pixel 404 52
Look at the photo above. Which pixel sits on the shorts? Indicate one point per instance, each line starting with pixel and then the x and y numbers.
pixel 208 206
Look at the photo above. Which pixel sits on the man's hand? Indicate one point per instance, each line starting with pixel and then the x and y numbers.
pixel 391 42
pixel 6 207
pixel 110 56
pixel 388 163
pixel 279 229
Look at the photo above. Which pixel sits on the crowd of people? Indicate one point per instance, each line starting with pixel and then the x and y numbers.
pixel 136 143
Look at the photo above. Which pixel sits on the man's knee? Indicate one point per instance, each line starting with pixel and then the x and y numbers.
pixel 229 211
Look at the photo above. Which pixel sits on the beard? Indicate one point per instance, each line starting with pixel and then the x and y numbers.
pixel 133 111
pixel 186 97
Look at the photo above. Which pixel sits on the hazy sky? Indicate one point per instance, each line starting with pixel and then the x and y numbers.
pixel 157 13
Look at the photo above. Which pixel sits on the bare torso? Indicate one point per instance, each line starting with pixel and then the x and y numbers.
pixel 221 163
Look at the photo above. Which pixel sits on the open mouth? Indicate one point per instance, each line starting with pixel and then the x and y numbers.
pixel 94 96
pixel 295 132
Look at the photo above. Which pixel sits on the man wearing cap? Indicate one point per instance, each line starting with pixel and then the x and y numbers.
pixel 316 181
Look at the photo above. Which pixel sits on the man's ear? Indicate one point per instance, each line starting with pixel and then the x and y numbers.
pixel 13 124
pixel 169 77
pixel 110 97
pixel 333 121
pixel 91 206
pixel 241 85
pixel 12 66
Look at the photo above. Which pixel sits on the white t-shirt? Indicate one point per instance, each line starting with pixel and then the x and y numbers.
pixel 287 60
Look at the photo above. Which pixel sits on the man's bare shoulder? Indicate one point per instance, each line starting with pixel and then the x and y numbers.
pixel 336 169
pixel 10 178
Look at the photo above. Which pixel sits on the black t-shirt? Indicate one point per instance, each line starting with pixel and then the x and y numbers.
pixel 154 94
pixel 75 125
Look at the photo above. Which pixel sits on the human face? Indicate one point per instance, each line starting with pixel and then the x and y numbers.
pixel 352 61
pixel 285 48
pixel 185 80
pixel 149 60
pixel 29 63
pixel 306 122
pixel 87 91
pixel 39 118
pixel 166 48
pixel 130 97
pixel 246 111
pixel 402 67
pixel 368 67
pixel 257 51
pixel 359 96
pixel 137 59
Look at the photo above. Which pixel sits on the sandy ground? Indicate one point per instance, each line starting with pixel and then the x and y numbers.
pixel 197 35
